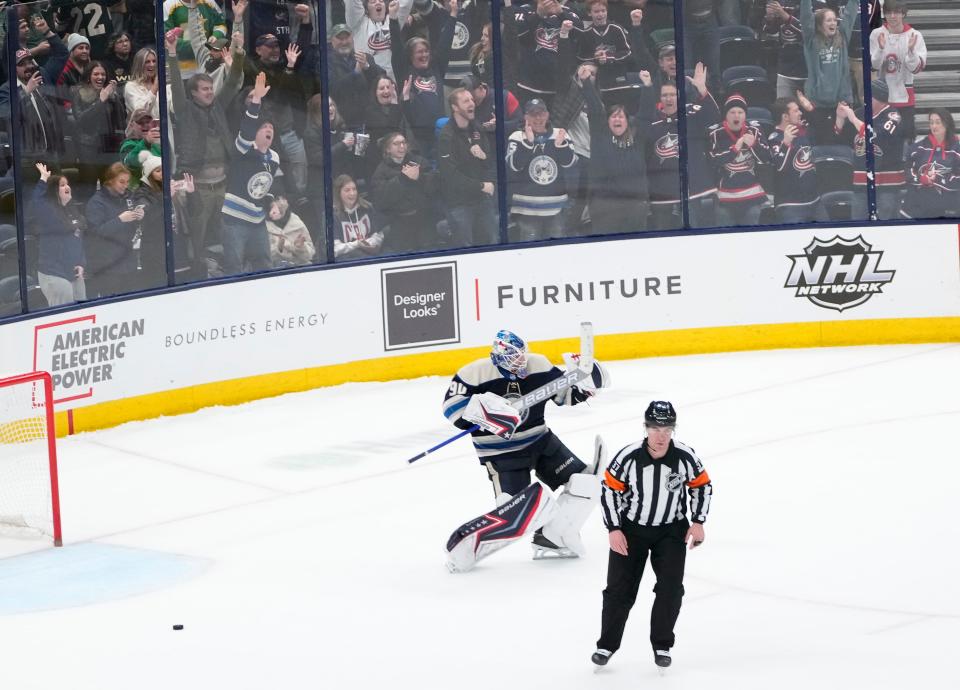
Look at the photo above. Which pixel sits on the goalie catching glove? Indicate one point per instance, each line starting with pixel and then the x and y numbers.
pixel 587 388
pixel 493 414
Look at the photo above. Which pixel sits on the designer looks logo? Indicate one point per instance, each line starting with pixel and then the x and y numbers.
pixel 838 273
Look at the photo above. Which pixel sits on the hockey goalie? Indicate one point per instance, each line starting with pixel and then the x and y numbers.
pixel 512 439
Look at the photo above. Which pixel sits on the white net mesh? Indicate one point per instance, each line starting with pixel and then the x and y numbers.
pixel 25 491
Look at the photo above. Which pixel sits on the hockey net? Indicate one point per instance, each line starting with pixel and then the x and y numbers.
pixel 29 497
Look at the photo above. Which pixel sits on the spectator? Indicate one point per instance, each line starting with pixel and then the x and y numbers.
pixel 404 188
pixel 738 149
pixel 825 42
pixel 149 197
pixel 472 15
pixel 618 169
pixel 888 145
pixel 607 46
pixel 367 21
pixel 358 232
pixel 272 17
pixel 251 176
pixel 140 91
pixel 481 55
pixel 781 29
pixel 78 47
pixel 352 74
pixel 537 157
pixel 934 172
pixel 33 37
pixel 343 148
pixel 143 133
pixel 486 104
pixel 898 53
pixel 284 108
pixel 214 25
pixel 60 258
pixel 290 242
pixel 112 222
pixel 204 146
pixel 90 18
pixel 467 174
pixel 119 57
pixel 214 57
pixel 667 62
pixel 546 48
pixel 663 155
pixel 384 117
pixel 42 121
pixel 796 192
pixel 421 71
pixel 101 122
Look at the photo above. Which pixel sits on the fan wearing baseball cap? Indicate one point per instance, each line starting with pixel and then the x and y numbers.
pixel 213 24
pixel 539 157
pixel 41 118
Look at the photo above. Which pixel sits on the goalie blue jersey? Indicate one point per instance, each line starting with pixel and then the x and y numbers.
pixel 481 376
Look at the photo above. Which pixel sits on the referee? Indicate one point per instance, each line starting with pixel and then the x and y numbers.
pixel 645 510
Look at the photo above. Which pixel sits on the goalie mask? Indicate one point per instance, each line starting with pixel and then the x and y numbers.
pixel 509 354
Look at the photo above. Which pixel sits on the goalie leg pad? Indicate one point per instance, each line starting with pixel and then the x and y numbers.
pixel 573 508
pixel 475 540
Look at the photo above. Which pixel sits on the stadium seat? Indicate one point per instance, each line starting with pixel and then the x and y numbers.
pixel 750 82
pixel 8 202
pixel 738 46
pixel 9 259
pixel 834 164
pixel 763 119
pixel 838 204
pixel 9 295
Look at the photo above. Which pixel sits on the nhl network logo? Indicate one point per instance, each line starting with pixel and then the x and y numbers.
pixel 837 274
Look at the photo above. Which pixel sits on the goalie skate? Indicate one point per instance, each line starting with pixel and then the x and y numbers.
pixel 544 549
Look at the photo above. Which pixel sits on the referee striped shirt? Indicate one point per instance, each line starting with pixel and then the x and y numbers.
pixel 649 492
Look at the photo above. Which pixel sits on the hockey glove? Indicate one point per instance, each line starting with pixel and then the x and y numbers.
pixel 492 414
pixel 599 377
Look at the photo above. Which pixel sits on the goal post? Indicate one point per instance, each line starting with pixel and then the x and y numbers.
pixel 29 489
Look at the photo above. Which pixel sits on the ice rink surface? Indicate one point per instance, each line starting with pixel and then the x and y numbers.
pixel 298 549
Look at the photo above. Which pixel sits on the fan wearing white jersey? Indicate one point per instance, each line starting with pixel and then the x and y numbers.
pixel 898 53
pixel 370 25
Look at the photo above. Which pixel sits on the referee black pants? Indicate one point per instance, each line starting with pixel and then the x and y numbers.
pixel 667 552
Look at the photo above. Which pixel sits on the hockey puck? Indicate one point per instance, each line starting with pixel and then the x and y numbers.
pixel 178 627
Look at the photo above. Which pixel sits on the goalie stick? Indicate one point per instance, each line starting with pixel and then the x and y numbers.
pixel 544 392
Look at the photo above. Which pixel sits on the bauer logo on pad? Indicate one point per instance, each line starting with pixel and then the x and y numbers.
pixel 420 305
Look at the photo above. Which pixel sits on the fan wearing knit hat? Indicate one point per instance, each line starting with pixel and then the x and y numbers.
pixel 78 46
pixel 151 164
pixel 738 148
pixel 149 197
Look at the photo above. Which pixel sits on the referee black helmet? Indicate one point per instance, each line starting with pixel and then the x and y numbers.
pixel 660 413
